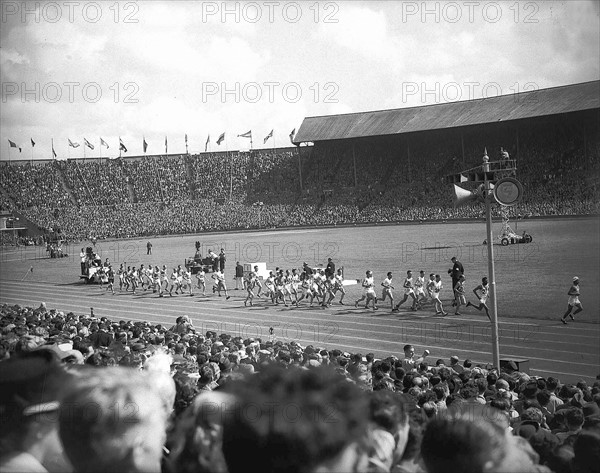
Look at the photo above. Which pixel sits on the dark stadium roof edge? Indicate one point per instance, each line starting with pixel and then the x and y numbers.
pixel 536 103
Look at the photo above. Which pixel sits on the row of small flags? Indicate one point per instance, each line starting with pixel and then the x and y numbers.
pixel 122 147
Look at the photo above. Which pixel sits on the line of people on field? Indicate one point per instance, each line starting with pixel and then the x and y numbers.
pixel 283 285
pixel 421 291
pixel 160 280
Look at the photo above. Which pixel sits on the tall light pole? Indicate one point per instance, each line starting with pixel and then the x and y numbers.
pixel 498 185
pixel 489 196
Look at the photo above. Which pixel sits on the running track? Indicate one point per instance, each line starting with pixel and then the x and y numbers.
pixel 568 352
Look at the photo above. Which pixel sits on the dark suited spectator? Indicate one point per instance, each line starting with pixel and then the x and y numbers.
pixel 222 260
pixel 330 269
pixel 239 276
pixel 456 271
pixel 101 338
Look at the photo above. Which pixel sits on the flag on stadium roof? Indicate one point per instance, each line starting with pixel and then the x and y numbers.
pixel 53 152
pixel 144 144
pixel 221 138
pixel 267 137
pixel 248 134
pixel 87 143
pixel 104 143
pixel 122 146
pixel 292 135
pixel 166 146
pixel 32 142
pixel 186 138
pixel 206 144
pixel 73 145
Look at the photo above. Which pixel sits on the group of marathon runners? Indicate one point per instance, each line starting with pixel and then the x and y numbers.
pixel 159 279
pixel 315 285
pixel 311 284
pixel 420 292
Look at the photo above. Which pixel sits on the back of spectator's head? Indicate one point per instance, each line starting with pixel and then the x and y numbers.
pixel 592 423
pixel 574 418
pixel 532 414
pixel 530 390
pixel 473 439
pixel 113 420
pixel 468 392
pixel 439 392
pixel 389 411
pixel 304 420
pixel 481 385
pixel 587 452
pixel 502 384
pixel 590 409
pixel 543 397
pixel 551 383
pixel 501 403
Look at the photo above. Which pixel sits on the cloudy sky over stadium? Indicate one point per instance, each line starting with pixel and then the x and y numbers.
pixel 71 70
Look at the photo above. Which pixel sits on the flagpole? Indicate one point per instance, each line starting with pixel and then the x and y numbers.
pixel 8 153
pixel 230 169
pixel 273 145
pixel 31 155
pixel 84 147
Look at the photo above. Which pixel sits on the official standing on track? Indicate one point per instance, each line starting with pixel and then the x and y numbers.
pixel 455 272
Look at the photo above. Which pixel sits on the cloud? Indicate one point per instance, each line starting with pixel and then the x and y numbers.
pixel 362 31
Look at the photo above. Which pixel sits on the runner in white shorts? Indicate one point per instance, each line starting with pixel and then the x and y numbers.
pixel 409 291
pixel 387 290
pixel 481 292
pixel 573 302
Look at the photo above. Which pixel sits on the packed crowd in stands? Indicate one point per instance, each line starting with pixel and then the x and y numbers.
pixel 82 393
pixel 319 185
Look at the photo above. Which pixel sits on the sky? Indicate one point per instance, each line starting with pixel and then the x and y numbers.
pixel 162 70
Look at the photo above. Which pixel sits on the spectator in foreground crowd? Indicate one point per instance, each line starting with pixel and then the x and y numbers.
pixel 31 385
pixel 476 439
pixel 305 421
pixel 294 415
pixel 113 420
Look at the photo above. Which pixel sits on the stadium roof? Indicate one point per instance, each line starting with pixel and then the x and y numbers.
pixel 563 99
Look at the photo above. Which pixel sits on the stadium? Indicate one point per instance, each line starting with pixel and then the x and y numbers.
pixel 366 192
